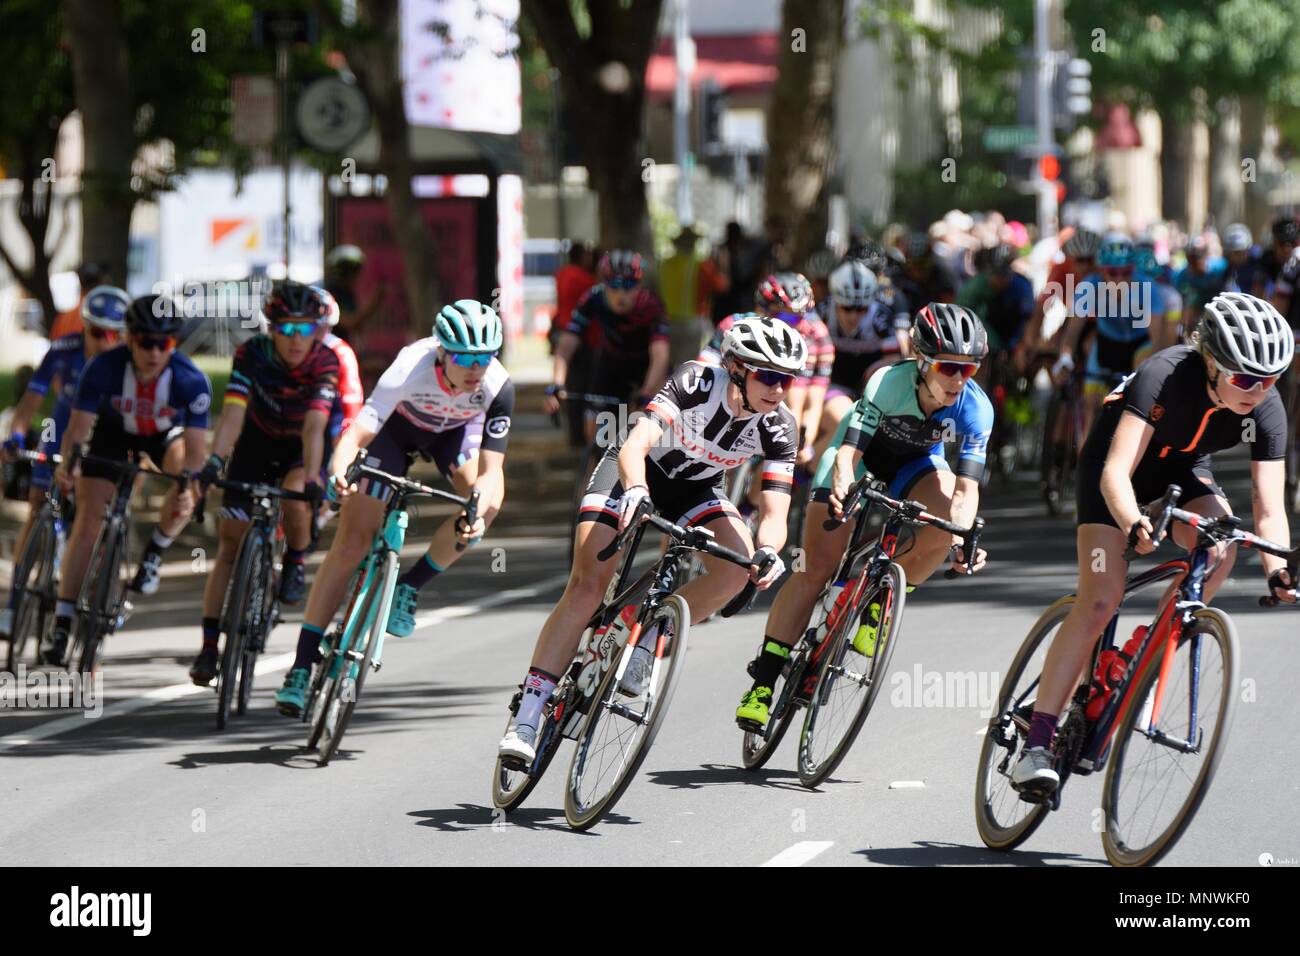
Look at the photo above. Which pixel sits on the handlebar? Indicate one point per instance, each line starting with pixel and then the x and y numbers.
pixel 471 514
pixel 253 490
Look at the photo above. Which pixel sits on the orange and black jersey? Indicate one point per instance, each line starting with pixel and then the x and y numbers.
pixel 1168 392
pixel 279 397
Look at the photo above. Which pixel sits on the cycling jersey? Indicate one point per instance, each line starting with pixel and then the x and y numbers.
pixel 1169 393
pixel 1288 279
pixel 278 398
pixel 1198 288
pixel 1124 310
pixel 350 397
pixel 415 388
pixel 1244 277
pixel 109 388
pixel 64 360
pixel 821 350
pixel 624 338
pixel 874 335
pixel 1004 313
pixel 703 439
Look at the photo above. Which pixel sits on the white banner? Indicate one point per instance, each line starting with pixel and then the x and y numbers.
pixel 460 64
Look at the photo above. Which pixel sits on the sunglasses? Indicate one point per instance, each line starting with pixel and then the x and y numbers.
pixel 1121 272
pixel 295 329
pixel 100 334
pixel 949 369
pixel 623 285
pixel 851 308
pixel 154 343
pixel 471 359
pixel 770 377
pixel 1244 380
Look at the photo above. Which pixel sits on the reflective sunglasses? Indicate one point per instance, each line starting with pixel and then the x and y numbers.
pixel 471 359
pixel 154 343
pixel 623 285
pixel 100 334
pixel 949 369
pixel 770 377
pixel 295 329
pixel 1244 380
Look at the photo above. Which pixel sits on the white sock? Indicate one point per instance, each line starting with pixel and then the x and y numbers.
pixel 537 691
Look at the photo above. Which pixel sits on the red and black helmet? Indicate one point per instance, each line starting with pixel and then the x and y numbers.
pixel 772 296
pixel 289 300
pixel 621 267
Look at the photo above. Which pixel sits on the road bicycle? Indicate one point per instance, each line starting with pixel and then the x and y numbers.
pixel 35 586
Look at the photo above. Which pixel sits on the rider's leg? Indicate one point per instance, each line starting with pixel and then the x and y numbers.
pixel 710 592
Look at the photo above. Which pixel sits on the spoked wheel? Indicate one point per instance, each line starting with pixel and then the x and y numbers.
pixel 235 623
pixel 849 681
pixel 357 663
pixel 104 590
pixel 511 787
pixel 259 628
pixel 1159 772
pixel 324 688
pixel 33 587
pixel 1003 819
pixel 757 748
pixel 618 731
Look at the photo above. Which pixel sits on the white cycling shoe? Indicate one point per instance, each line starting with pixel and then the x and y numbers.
pixel 1034 772
pixel 517 746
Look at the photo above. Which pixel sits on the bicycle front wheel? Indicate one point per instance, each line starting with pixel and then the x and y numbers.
pixel 102 594
pixel 756 749
pixel 235 622
pixel 261 604
pixel 1004 820
pixel 33 589
pixel 511 787
pixel 619 731
pixel 1169 741
pixel 849 680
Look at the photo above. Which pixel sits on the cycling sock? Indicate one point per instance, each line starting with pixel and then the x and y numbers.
pixel 421 573
pixel 158 543
pixel 770 661
pixel 293 555
pixel 1041 728
pixel 538 686
pixel 211 632
pixel 64 610
pixel 308 643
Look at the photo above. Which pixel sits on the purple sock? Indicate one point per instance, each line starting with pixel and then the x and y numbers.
pixel 1041 728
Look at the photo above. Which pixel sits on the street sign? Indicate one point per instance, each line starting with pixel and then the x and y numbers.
pixel 252 118
pixel 1005 139
pixel 332 114
pixel 283 27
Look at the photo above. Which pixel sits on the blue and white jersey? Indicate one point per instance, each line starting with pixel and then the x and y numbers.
pixel 110 389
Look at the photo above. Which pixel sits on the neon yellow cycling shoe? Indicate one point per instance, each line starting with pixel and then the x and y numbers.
pixel 864 641
pixel 751 715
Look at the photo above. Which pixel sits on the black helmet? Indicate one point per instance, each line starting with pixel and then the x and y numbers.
pixel 944 328
pixel 1000 258
pixel 870 253
pixel 1286 230
pixel 294 300
pixel 153 315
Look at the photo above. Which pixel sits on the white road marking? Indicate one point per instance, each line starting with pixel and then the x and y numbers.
pixel 800 853
pixel 907 785
pixel 62 725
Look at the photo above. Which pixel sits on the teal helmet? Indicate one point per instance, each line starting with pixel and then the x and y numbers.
pixel 1116 251
pixel 468 325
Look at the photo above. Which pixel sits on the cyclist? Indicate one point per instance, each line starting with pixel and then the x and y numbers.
pixel 445 398
pixel 1243 272
pixel 896 432
pixel 1286 234
pixel 631 361
pixel 703 422
pixel 1001 297
pixel 141 397
pixel 282 387
pixel 1160 427
pixel 923 278
pixel 1202 279
pixel 102 315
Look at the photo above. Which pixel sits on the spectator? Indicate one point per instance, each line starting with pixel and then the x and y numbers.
pixel 68 322
pixel 342 272
pixel 687 285
pixel 738 259
pixel 572 279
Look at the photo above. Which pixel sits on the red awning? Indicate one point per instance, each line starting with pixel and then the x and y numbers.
pixel 739 63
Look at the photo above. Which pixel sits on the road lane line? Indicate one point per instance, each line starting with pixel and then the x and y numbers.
pixel 800 853
pixel 62 725
pixel 907 785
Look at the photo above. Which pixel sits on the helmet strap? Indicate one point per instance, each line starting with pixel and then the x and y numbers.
pixel 740 381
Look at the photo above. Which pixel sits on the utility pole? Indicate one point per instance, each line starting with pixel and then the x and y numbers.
pixel 1045 60
pixel 684 54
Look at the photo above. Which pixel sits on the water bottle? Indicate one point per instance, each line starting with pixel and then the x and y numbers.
pixel 1111 666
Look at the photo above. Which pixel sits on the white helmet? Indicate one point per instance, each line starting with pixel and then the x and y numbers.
pixel 1237 238
pixel 853 284
pixel 345 254
pixel 1246 334
pixel 766 343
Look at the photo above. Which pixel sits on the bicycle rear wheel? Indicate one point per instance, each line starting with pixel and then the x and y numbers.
pixel 849 682
pixel 511 787
pixel 33 589
pixel 1005 820
pixel 619 731
pixel 1158 774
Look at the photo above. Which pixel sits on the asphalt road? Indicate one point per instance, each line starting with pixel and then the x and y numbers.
pixel 150 781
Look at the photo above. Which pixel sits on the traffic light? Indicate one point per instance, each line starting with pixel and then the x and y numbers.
pixel 1078 87
pixel 713 101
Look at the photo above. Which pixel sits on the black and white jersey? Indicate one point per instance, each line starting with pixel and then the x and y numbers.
pixel 702 439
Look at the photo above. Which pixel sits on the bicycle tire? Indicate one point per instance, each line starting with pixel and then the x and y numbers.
pixel 811 774
pixel 992 831
pixel 506 797
pixel 259 626
pixel 373 635
pixel 104 569
pixel 234 621
pixel 37 558
pixel 585 817
pixel 1217 625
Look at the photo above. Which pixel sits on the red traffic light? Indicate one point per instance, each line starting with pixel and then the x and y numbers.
pixel 1049 167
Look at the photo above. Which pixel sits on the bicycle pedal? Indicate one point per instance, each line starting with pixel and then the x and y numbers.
pixel 514 764
pixel 750 726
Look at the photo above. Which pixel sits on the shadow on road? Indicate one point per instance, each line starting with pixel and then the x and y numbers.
pixel 715 774
pixel 925 853
pixel 466 817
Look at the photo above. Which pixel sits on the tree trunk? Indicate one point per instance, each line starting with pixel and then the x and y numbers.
pixel 801 123
pixel 1258 213
pixel 35 206
pixel 1175 157
pixel 374 54
pixel 1227 193
pixel 608 128
pixel 101 70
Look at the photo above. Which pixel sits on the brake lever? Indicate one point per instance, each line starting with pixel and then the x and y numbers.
pixel 471 515
pixel 970 548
